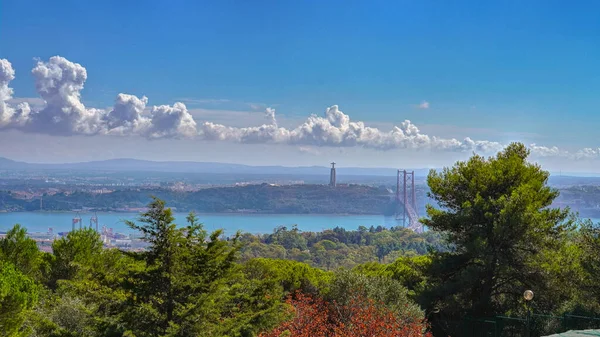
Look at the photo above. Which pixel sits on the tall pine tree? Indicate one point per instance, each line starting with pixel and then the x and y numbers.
pixel 496 213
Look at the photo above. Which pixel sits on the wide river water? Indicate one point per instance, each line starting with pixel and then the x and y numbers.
pixel 37 222
pixel 253 223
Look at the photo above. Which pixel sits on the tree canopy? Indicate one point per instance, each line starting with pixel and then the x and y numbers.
pixel 496 213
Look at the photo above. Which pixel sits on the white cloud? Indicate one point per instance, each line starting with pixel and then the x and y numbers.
pixel 10 114
pixel 59 83
pixel 60 111
pixel 126 117
pixel 543 151
pixel 172 121
pixel 270 116
pixel 554 151
pixel 335 129
pixel 7 74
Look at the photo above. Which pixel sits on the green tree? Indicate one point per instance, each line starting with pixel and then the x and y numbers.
pixel 90 304
pixel 411 271
pixel 287 238
pixel 290 275
pixel 348 285
pixel 589 242
pixel 496 215
pixel 18 294
pixel 22 251
pixel 78 250
pixel 154 288
pixel 191 284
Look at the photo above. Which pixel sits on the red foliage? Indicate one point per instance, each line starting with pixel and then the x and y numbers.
pixel 314 317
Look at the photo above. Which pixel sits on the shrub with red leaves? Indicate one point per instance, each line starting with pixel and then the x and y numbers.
pixel 314 317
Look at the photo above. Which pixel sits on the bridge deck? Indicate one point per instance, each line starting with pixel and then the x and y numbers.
pixel 413 217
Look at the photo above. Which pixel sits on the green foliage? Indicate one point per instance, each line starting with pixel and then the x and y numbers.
pixel 410 271
pixel 347 285
pixel 331 249
pixel 289 275
pixel 18 294
pixel 496 212
pixel 287 239
pixel 72 317
pixel 191 285
pixel 20 250
pixel 585 260
pixel 254 248
pixel 74 253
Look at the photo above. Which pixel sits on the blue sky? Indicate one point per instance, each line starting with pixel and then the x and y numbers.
pixel 494 71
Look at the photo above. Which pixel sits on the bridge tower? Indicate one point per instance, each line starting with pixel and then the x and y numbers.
pixel 332 178
pixel 407 197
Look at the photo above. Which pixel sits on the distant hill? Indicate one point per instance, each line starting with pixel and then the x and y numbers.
pixel 263 198
pixel 126 164
pixel 7 164
pixel 135 165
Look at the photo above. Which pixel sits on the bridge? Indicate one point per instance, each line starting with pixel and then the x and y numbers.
pixel 407 198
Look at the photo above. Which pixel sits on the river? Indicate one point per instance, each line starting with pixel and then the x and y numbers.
pixel 36 222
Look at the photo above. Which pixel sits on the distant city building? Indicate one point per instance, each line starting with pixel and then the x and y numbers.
pixel 332 182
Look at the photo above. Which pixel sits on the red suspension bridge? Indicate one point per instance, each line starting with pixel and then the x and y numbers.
pixel 406 197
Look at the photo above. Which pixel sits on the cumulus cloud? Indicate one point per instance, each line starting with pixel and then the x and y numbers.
pixel 543 151
pixel 7 74
pixel 336 129
pixel 59 83
pixel 126 117
pixel 171 121
pixel 266 133
pixel 60 111
pixel 9 114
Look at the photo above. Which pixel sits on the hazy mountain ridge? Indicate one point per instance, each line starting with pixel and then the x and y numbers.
pixel 138 165
pixel 127 164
